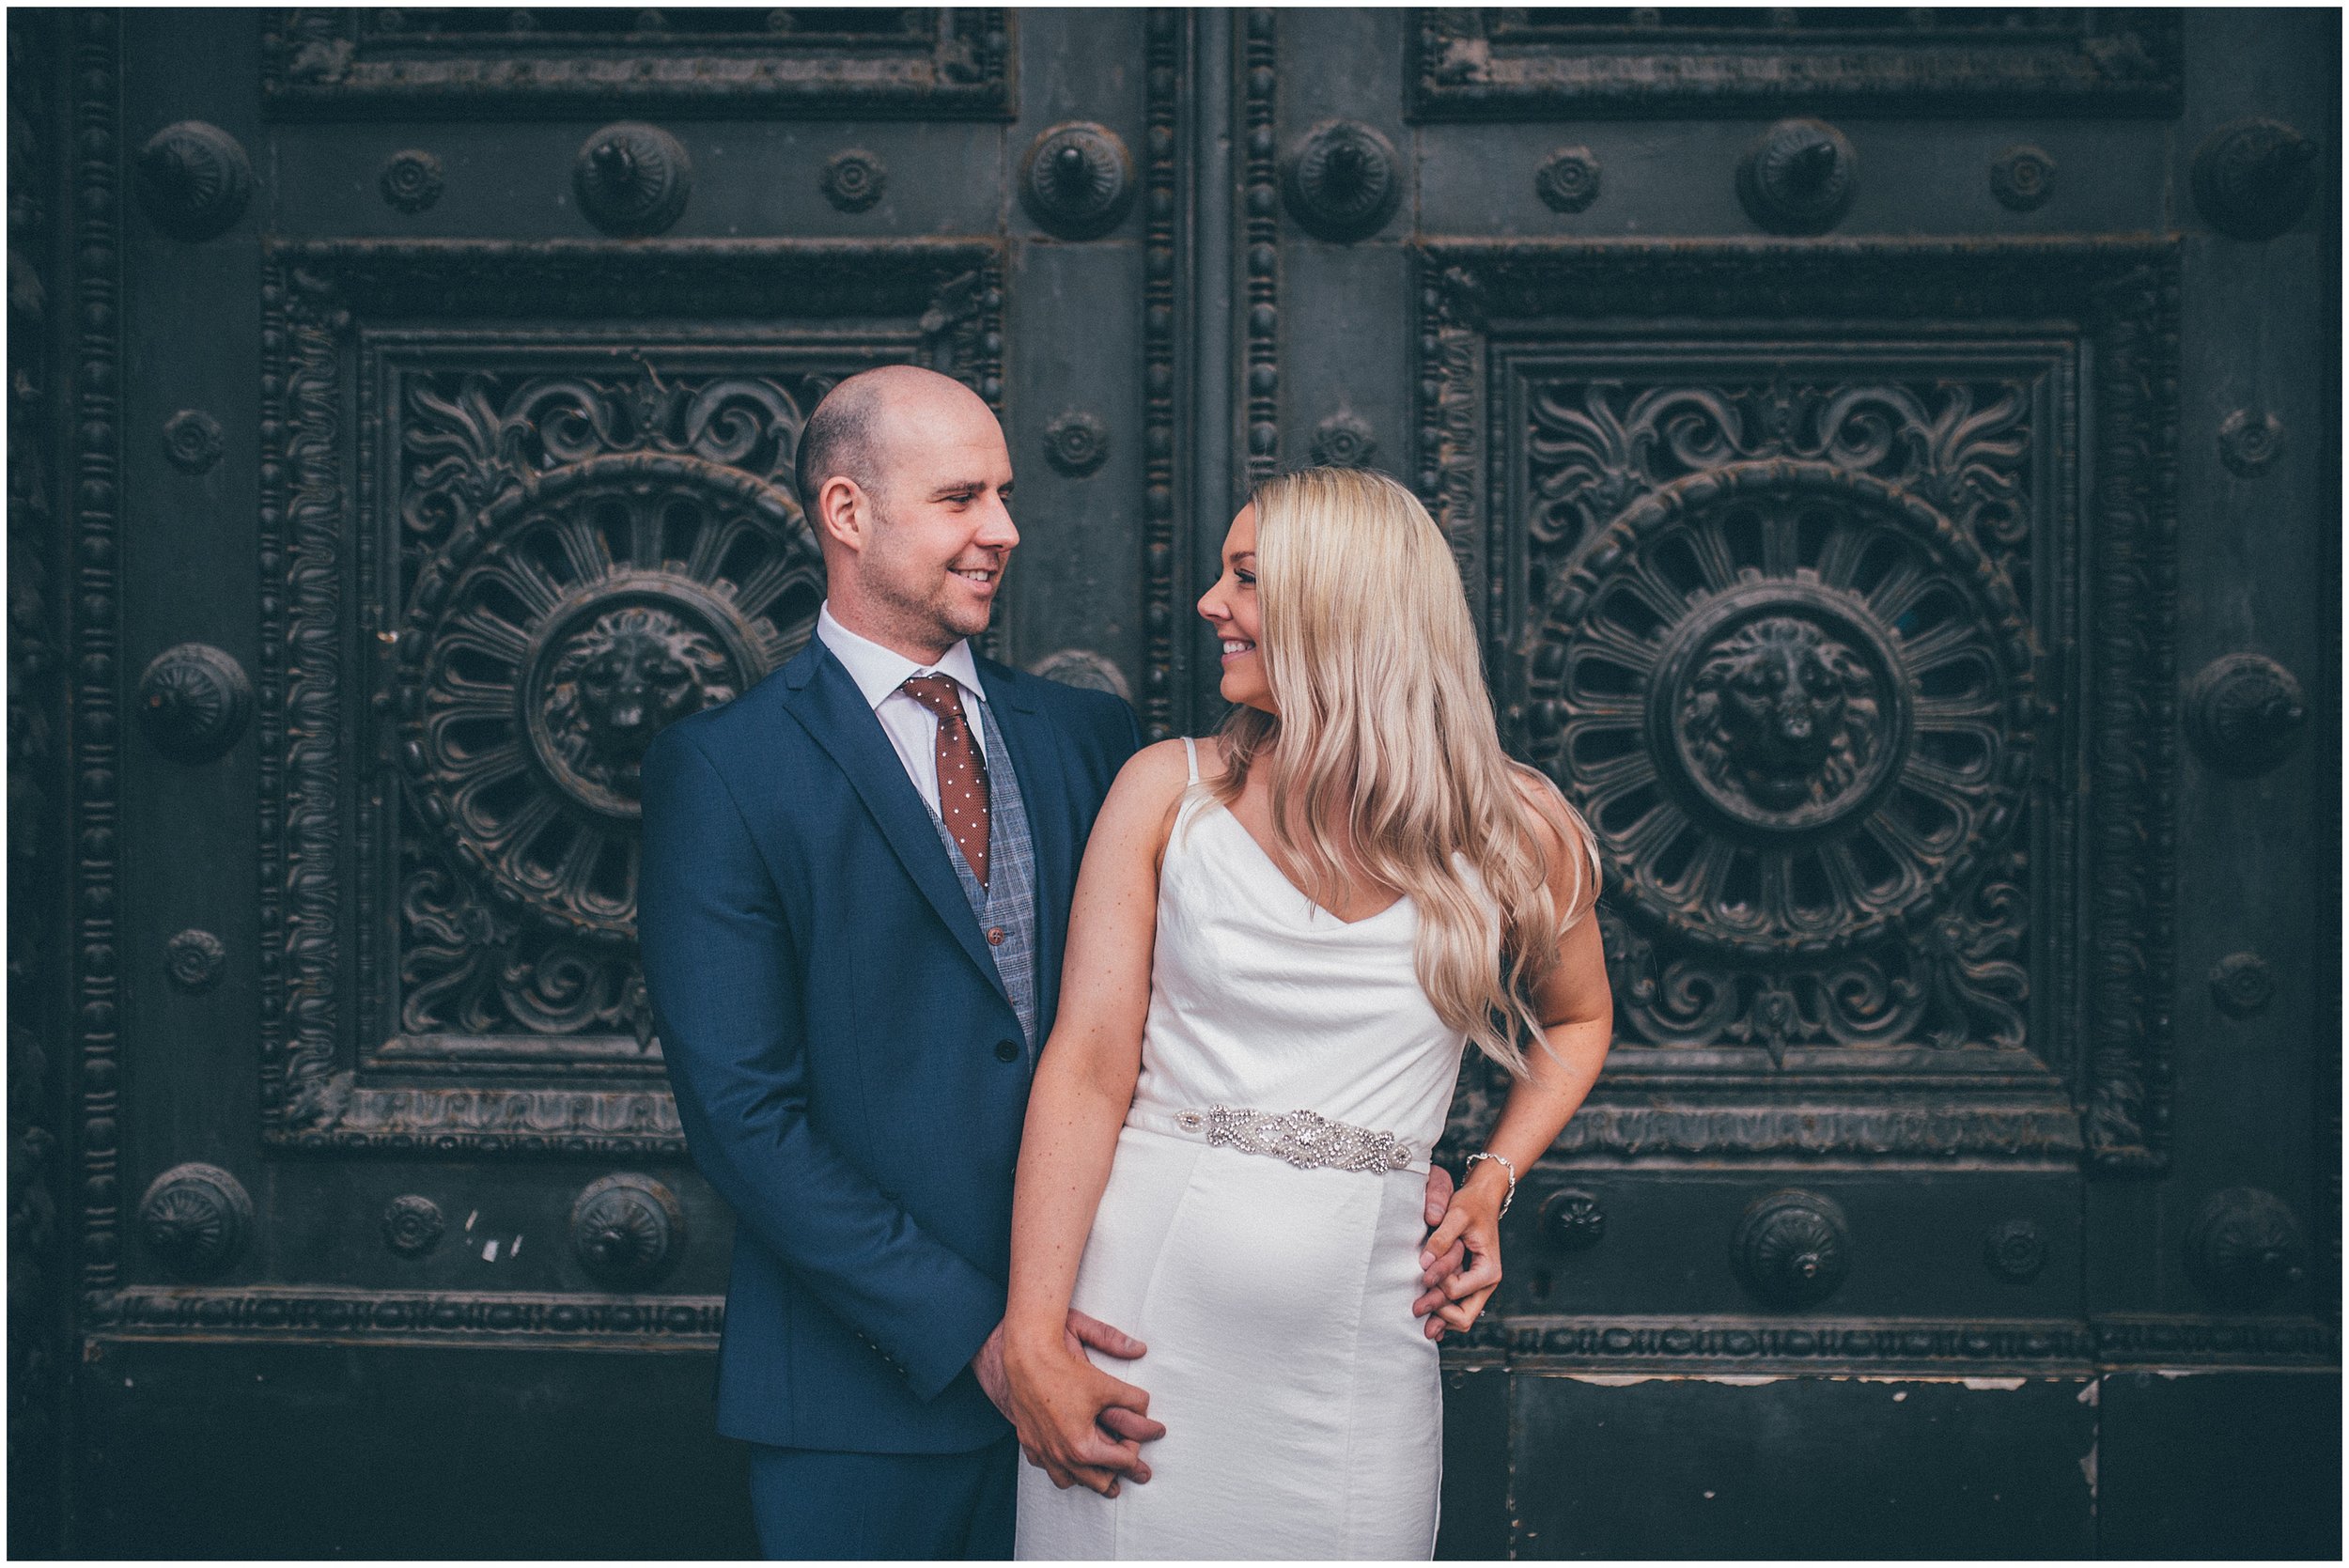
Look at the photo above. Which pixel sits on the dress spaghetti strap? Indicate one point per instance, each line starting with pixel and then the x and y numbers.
pixel 1190 755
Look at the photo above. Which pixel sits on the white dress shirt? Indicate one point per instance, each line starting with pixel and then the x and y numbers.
pixel 880 675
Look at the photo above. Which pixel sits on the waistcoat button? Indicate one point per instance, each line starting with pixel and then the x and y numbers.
pixel 1007 1050
pixel 994 936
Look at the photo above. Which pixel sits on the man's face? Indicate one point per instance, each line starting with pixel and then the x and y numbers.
pixel 942 529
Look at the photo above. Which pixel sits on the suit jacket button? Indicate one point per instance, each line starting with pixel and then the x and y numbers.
pixel 1007 1050
pixel 994 936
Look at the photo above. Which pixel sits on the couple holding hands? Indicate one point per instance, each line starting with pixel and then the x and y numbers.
pixel 1075 1098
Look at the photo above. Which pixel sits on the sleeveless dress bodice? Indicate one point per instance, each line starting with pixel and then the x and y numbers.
pixel 1300 1396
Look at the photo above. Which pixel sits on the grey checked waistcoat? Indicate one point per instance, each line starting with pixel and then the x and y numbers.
pixel 1007 903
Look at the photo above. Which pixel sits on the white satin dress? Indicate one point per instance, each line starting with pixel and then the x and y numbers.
pixel 1304 1418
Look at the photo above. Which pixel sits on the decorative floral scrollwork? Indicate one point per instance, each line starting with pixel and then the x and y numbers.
pixel 2253 179
pixel 194 178
pixel 2245 714
pixel 1078 180
pixel 2015 1250
pixel 1570 182
pixel 1798 177
pixel 1793 1249
pixel 1345 440
pixel 588 563
pixel 193 702
pixel 2022 178
pixel 192 440
pixel 1342 181
pixel 410 181
pixel 2245 1248
pixel 2249 443
pixel 193 960
pixel 1790 686
pixel 197 1218
pixel 1077 443
pixel 2241 983
pixel 412 1225
pixel 1573 1219
pixel 854 180
pixel 633 179
pixel 628 1230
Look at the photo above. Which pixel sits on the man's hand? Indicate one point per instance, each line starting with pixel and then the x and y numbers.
pixel 1121 1430
pixel 1436 1268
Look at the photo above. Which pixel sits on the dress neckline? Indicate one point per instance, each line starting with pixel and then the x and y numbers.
pixel 1265 858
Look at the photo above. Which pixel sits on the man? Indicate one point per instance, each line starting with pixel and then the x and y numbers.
pixel 853 903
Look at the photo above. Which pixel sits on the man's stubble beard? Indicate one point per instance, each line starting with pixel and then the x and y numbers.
pixel 937 619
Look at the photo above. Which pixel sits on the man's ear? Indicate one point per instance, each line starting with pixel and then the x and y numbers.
pixel 843 512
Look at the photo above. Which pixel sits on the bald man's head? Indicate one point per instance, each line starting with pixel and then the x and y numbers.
pixel 851 433
pixel 907 485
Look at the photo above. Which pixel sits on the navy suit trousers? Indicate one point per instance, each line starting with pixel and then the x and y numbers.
pixel 822 1503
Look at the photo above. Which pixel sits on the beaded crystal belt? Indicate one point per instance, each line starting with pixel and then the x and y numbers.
pixel 1306 1138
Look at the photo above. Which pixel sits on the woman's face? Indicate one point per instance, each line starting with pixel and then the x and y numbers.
pixel 1230 607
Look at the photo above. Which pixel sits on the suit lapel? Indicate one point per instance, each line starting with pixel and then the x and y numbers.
pixel 832 711
pixel 1044 789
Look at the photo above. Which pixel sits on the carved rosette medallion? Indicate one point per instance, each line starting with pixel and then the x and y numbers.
pixel 1342 181
pixel 2242 985
pixel 2245 713
pixel 1084 669
pixel 411 180
pixel 2015 1250
pixel 1077 443
pixel 412 1225
pixel 194 179
pixel 2022 178
pixel 1779 657
pixel 2245 1248
pixel 193 960
pixel 195 701
pixel 1573 1219
pixel 1787 695
pixel 192 440
pixel 1798 177
pixel 1078 180
pixel 628 1230
pixel 558 631
pixel 197 1218
pixel 633 179
pixel 854 180
pixel 2254 178
pixel 2249 443
pixel 1793 1249
pixel 1345 440
pixel 1570 182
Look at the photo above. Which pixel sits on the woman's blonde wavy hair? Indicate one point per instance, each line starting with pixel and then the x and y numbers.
pixel 1387 753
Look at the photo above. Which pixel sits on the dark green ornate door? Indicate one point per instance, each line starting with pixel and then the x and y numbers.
pixel 1889 454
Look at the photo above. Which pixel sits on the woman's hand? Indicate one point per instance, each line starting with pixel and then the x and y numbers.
pixel 1060 1403
pixel 1473 1220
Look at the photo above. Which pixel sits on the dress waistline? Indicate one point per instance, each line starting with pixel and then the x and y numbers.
pixel 1306 1138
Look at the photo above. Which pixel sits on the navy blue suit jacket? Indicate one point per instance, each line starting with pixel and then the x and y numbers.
pixel 837 1034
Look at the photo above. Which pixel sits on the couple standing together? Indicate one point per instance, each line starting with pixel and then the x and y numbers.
pixel 1007 1041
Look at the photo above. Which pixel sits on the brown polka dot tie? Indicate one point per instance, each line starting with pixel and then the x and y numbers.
pixel 961 770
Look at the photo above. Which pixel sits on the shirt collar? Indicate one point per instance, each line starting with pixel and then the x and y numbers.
pixel 879 670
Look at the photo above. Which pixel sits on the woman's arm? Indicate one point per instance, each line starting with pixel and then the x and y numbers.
pixel 1084 1083
pixel 1578 1014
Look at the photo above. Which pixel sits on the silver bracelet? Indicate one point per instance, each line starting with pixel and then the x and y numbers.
pixel 1511 1196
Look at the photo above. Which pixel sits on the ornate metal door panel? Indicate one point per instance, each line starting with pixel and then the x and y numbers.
pixel 439 382
pixel 1817 405
pixel 1888 456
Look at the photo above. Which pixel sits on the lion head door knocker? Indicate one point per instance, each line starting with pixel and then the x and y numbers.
pixel 557 632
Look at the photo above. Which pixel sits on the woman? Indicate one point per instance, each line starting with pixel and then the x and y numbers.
pixel 1312 913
